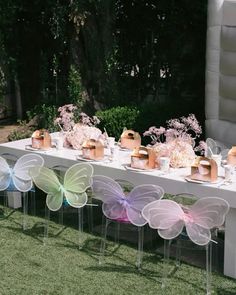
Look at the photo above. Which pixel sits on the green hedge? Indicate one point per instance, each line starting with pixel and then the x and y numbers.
pixel 115 119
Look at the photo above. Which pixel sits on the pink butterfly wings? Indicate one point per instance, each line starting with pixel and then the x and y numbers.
pixel 117 204
pixel 170 218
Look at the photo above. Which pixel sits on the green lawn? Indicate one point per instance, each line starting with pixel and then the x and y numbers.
pixel 59 267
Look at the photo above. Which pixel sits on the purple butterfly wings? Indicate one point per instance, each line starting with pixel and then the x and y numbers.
pixel 118 205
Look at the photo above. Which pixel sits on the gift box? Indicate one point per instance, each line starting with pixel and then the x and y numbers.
pixel 204 169
pixel 231 158
pixel 93 149
pixel 143 158
pixel 130 139
pixel 41 139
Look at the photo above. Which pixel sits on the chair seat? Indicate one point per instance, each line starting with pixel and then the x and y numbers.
pixel 122 219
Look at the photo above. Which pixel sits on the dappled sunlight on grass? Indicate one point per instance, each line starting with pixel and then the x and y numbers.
pixel 59 267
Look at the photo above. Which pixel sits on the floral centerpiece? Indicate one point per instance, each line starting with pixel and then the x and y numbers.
pixel 176 141
pixel 77 128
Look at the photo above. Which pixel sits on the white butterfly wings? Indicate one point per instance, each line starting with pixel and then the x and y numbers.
pixel 76 181
pixel 215 147
pixel 5 172
pixel 170 218
pixel 116 203
pixel 19 174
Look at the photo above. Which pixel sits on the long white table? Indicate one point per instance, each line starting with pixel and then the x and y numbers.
pixel 173 182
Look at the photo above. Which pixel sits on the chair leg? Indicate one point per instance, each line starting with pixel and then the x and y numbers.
pixel 25 210
pixel 140 247
pixel 61 211
pixel 46 225
pixel 33 203
pixel 5 199
pixel 167 244
pixel 208 268
pixel 103 241
pixel 178 253
pixel 90 217
pixel 117 233
pixel 80 226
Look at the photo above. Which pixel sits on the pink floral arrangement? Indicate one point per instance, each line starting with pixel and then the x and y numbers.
pixel 176 141
pixel 75 133
pixel 66 118
pixel 184 128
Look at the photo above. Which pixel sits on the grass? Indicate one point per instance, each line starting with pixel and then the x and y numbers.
pixel 59 267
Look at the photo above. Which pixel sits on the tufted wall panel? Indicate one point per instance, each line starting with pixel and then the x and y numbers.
pixel 220 94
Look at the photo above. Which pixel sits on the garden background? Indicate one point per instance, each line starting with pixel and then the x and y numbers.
pixel 146 56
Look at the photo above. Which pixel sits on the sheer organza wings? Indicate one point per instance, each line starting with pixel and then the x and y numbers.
pixel 76 181
pixel 46 180
pixel 5 174
pixel 116 203
pixel 166 216
pixel 138 198
pixel 170 218
pixel 18 175
pixel 215 147
pixel 78 178
pixel 111 194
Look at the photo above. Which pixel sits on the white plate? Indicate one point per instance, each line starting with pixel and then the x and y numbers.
pixel 128 167
pixel 80 158
pixel 219 179
pixel 30 148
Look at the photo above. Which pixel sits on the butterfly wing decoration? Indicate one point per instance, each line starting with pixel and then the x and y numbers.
pixel 212 147
pixel 46 180
pixel 169 218
pixel 205 214
pixel 215 147
pixel 166 217
pixel 76 180
pixel 138 198
pixel 18 176
pixel 111 194
pixel 116 204
pixel 224 154
pixel 5 174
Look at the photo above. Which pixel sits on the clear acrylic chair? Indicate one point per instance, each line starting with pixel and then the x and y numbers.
pixel 187 216
pixel 64 187
pixel 15 178
pixel 119 207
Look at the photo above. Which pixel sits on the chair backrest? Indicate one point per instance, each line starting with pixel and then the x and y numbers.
pixel 76 180
pixel 121 206
pixel 15 172
pixel 220 88
pixel 198 216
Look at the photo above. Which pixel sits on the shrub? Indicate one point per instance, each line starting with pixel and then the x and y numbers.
pixel 21 132
pixel 115 119
pixel 47 116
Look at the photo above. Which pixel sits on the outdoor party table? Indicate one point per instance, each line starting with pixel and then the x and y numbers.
pixel 172 182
